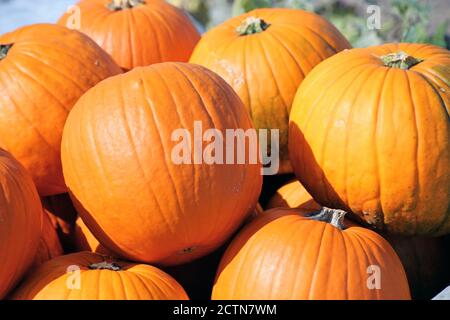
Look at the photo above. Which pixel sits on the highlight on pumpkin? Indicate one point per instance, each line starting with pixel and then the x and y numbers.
pixel 225 150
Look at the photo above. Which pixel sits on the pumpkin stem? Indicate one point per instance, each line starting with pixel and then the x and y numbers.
pixel 334 217
pixel 105 266
pixel 117 5
pixel 4 49
pixel 400 60
pixel 252 25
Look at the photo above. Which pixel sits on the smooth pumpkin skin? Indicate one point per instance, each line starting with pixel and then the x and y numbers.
pixel 140 36
pixel 293 195
pixel 266 68
pixel 44 73
pixel 133 282
pixel 20 221
pixel 127 189
pixel 282 255
pixel 49 244
pixel 374 140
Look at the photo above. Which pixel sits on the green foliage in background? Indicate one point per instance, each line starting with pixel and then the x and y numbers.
pixel 402 20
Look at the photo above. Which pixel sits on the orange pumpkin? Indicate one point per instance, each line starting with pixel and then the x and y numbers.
pixel 293 195
pixel 89 276
pixel 299 254
pixel 44 69
pixel 20 222
pixel 370 133
pixel 135 32
pixel 265 55
pixel 49 245
pixel 84 240
pixel 118 155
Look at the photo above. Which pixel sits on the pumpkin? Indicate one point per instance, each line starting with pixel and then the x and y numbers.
pixel 49 245
pixel 298 254
pixel 44 69
pixel 370 133
pixel 292 195
pixel 84 240
pixel 90 276
pixel 118 147
pixel 265 55
pixel 63 215
pixel 135 32
pixel 20 221
pixel 426 262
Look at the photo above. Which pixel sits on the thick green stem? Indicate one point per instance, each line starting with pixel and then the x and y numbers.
pixel 117 5
pixel 105 266
pixel 334 217
pixel 252 25
pixel 400 60
pixel 4 49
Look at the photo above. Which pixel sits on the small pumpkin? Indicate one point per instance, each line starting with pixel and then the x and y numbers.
pixel 298 254
pixel 426 262
pixel 90 276
pixel 293 195
pixel 44 69
pixel 20 222
pixel 63 216
pixel 49 244
pixel 136 32
pixel 265 55
pixel 370 133
pixel 84 240
pixel 118 146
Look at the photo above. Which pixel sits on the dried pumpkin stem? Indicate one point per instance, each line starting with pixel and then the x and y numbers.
pixel 400 60
pixel 252 25
pixel 4 49
pixel 334 217
pixel 105 266
pixel 117 5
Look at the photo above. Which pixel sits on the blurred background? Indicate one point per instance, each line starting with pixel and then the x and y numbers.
pixel 401 20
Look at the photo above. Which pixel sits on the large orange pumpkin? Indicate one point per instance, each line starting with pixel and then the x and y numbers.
pixel 44 69
pixel 265 54
pixel 49 244
pixel 20 221
pixel 292 195
pixel 298 254
pixel 89 276
pixel 120 162
pixel 135 32
pixel 370 132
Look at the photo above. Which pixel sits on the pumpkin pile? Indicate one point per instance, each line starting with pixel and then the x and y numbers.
pixel 112 184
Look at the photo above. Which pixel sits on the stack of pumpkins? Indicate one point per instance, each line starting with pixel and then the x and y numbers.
pixel 93 205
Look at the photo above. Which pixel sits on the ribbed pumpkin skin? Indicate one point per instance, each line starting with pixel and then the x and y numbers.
pixel 265 69
pixel 116 155
pixel 292 195
pixel 283 255
pixel 20 221
pixel 44 73
pixel 375 140
pixel 150 33
pixel 49 244
pixel 133 282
